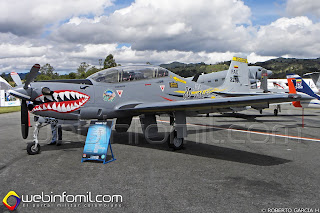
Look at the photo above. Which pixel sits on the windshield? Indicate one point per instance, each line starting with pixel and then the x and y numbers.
pixel 130 73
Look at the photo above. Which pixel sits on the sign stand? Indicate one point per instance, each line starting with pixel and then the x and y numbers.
pixel 98 142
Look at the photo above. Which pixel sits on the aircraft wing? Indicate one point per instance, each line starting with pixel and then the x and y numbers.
pixel 198 105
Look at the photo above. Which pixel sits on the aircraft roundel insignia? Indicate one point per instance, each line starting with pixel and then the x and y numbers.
pixel 120 92
pixel 162 87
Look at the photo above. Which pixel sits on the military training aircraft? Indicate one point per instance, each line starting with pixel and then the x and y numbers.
pixel 140 90
pixel 216 79
pixel 297 84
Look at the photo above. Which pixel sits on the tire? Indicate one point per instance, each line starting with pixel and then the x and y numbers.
pixel 32 149
pixel 123 124
pixel 121 128
pixel 275 112
pixel 174 142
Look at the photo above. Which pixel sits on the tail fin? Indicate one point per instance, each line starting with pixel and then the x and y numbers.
pixel 292 89
pixel 315 76
pixel 237 79
pixel 300 85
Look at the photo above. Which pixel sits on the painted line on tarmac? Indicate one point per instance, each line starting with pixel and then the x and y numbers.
pixel 254 132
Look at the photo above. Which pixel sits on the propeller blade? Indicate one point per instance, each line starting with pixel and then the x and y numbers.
pixel 24 119
pixel 32 74
pixel 16 78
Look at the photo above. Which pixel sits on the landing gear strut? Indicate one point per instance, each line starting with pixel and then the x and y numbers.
pixel 277 110
pixel 176 139
pixel 33 148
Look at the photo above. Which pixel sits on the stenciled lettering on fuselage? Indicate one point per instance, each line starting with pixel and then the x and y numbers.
pixel 196 92
pixel 235 73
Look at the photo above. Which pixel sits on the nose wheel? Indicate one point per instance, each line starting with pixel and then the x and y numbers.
pixel 33 148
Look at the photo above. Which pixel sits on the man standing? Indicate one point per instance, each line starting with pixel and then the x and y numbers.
pixel 56 129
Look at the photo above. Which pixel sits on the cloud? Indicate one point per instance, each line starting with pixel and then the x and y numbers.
pixel 25 18
pixel 297 37
pixel 205 25
pixel 152 31
pixel 303 7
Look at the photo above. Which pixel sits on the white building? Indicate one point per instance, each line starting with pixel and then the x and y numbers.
pixel 5 98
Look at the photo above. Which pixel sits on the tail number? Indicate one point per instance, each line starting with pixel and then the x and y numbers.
pixel 234 79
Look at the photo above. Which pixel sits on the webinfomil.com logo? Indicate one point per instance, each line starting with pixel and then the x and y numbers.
pixel 5 200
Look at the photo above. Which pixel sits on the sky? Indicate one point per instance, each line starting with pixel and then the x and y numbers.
pixel 65 33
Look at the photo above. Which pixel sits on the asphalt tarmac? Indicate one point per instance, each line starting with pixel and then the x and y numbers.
pixel 251 167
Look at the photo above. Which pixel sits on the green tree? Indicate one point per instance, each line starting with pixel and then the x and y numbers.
pixel 91 71
pixel 72 75
pixel 82 69
pixel 109 62
pixel 47 73
pixel 47 70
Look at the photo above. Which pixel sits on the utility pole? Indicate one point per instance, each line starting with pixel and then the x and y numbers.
pixel 100 62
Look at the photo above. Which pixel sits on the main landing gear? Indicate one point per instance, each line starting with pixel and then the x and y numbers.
pixel 176 137
pixel 33 148
pixel 277 110
pixel 174 142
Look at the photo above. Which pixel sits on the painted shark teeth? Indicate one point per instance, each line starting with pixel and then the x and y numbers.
pixel 62 101
pixel 55 96
pixel 49 97
pixel 61 95
pixel 73 95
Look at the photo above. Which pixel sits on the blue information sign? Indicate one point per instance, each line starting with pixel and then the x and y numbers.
pixel 98 142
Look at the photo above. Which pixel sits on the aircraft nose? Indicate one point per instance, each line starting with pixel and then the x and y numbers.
pixel 21 93
pixel 269 72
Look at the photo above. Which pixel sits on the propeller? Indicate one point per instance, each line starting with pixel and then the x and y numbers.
pixel 33 73
pixel 24 119
pixel 24 93
pixel 16 78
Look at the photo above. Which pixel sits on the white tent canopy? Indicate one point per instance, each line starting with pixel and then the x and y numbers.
pixel 4 85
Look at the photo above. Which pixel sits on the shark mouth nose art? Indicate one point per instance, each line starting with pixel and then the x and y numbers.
pixel 63 101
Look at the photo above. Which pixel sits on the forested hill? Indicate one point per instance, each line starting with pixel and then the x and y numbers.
pixel 279 66
pixel 188 70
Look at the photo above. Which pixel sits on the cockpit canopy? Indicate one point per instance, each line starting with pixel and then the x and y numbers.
pixel 128 73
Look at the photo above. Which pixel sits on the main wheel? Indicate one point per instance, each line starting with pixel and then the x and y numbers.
pixel 275 112
pixel 174 142
pixel 32 149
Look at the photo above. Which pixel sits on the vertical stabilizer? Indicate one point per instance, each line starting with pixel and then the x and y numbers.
pixel 315 76
pixel 237 79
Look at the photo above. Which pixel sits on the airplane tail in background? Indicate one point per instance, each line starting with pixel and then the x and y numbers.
pixel 315 76
pixel 237 79
pixel 296 83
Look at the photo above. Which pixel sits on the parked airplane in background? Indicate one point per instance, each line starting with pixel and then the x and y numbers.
pixel 126 91
pixel 216 79
pixel 282 84
pixel 297 84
